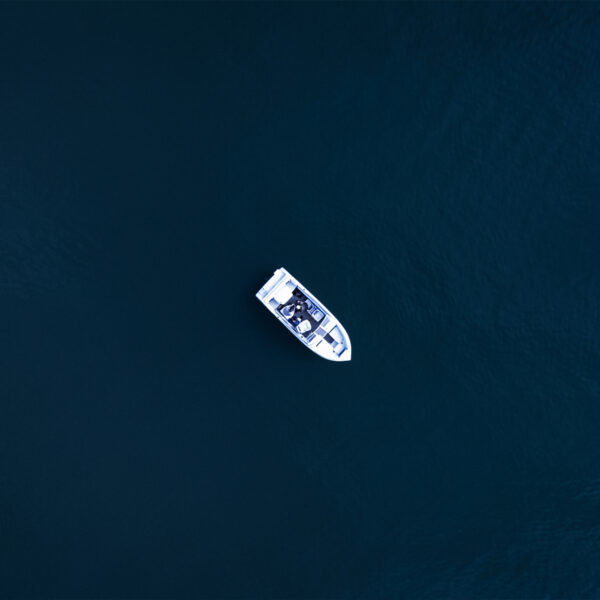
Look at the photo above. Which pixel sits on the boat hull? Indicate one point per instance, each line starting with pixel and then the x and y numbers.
pixel 305 316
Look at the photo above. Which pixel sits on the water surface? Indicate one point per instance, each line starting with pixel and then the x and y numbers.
pixel 429 171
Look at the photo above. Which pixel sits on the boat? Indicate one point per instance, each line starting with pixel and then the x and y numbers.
pixel 305 317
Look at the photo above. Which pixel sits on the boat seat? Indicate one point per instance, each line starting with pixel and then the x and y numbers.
pixel 316 314
pixel 303 326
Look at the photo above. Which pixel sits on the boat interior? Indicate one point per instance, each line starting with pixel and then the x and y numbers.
pixel 301 313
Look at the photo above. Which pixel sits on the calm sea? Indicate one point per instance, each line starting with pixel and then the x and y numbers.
pixel 430 171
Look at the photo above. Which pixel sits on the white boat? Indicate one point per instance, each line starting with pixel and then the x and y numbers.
pixel 305 316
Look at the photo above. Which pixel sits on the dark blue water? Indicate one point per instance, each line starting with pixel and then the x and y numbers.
pixel 431 172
